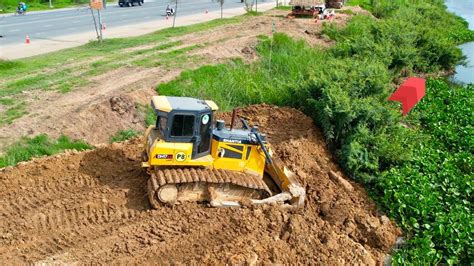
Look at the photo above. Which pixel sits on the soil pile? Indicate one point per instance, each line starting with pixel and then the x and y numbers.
pixel 91 207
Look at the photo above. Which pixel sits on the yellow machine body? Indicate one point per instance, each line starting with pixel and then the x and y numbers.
pixel 185 141
pixel 161 153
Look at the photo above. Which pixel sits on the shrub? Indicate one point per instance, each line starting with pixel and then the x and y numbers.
pixel 123 135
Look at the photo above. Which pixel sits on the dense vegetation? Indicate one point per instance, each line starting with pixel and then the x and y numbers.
pixel 417 172
pixel 431 195
pixel 41 145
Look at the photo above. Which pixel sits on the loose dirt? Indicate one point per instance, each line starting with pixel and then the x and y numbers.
pixel 90 207
pixel 86 112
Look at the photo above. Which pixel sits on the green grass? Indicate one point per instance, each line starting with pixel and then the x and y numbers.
pixel 283 8
pixel 12 112
pixel 123 135
pixel 414 173
pixel 41 145
pixel 362 3
pixel 9 6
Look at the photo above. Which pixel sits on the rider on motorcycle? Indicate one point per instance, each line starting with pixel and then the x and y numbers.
pixel 169 10
pixel 21 9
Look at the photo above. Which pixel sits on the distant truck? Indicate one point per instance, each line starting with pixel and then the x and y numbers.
pixel 314 8
pixel 123 3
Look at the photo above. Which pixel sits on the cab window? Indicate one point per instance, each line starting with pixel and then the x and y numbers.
pixel 162 121
pixel 183 126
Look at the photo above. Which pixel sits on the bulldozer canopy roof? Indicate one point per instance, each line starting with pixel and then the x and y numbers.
pixel 306 2
pixel 169 103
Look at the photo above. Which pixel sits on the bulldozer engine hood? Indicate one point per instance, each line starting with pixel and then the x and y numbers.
pixel 237 136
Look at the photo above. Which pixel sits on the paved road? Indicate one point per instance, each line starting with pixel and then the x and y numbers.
pixel 57 23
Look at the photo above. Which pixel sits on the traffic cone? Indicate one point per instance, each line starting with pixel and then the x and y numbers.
pixel 104 27
pixel 27 39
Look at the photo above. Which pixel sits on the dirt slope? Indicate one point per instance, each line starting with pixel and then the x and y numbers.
pixel 91 207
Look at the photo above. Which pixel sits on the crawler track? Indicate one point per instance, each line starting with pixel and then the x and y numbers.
pixel 199 180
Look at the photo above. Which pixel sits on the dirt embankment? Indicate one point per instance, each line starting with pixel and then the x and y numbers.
pixel 91 207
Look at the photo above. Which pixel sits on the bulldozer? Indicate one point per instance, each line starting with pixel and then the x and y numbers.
pixel 192 157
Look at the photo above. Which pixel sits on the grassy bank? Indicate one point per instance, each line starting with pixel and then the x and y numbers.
pixel 41 145
pixel 72 68
pixel 345 90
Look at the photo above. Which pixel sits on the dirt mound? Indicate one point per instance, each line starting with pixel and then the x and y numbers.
pixel 91 207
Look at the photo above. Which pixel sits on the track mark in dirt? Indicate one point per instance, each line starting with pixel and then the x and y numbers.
pixel 91 207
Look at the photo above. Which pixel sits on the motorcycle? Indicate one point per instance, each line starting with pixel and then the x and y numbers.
pixel 20 11
pixel 169 11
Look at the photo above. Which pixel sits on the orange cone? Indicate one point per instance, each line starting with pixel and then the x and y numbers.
pixel 27 39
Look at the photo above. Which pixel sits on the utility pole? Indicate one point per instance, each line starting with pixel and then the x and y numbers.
pixel 95 24
pixel 50 4
pixel 100 26
pixel 175 12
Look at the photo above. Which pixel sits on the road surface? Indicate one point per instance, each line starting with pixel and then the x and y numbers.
pixel 59 29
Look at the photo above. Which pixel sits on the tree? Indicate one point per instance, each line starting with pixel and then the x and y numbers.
pixel 248 5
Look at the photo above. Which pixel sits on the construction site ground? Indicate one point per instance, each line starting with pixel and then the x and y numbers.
pixel 91 207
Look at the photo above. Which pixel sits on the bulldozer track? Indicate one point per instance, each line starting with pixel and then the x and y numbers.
pixel 38 200
pixel 160 177
pixel 215 176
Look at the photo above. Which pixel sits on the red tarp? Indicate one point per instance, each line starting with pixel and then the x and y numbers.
pixel 409 93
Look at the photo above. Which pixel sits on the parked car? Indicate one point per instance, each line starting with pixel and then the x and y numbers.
pixel 123 3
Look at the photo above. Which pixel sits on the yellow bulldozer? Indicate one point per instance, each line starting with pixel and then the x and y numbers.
pixel 191 156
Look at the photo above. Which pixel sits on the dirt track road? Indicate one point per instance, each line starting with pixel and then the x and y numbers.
pixel 91 207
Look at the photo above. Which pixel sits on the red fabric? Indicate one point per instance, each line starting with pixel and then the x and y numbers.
pixel 409 93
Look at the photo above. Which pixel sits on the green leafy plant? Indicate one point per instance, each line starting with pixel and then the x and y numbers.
pixel 123 135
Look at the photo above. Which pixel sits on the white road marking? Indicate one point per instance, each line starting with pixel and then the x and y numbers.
pixel 76 21
pixel 49 25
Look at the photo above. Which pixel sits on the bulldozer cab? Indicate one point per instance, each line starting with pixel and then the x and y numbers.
pixel 185 120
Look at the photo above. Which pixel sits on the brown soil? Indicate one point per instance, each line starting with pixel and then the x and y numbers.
pixel 86 112
pixel 91 207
